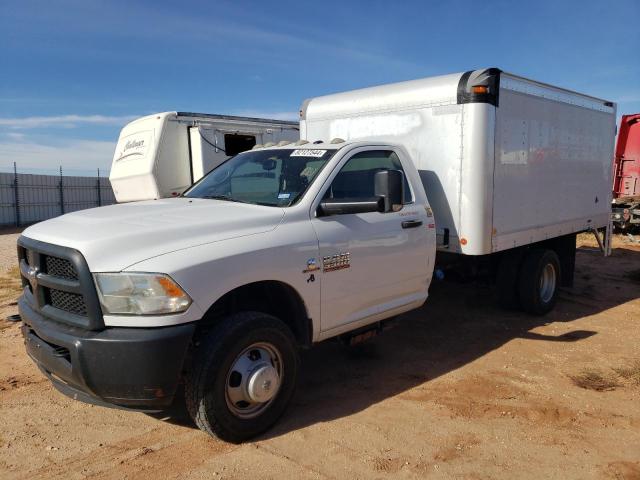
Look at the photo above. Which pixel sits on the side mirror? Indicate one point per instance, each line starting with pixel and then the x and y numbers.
pixel 342 206
pixel 388 190
pixel 389 186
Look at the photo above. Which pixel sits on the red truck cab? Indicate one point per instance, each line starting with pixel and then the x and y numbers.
pixel 626 175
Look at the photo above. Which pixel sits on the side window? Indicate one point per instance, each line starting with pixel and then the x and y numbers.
pixel 235 144
pixel 356 178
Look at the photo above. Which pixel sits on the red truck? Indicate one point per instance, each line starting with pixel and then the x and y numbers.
pixel 626 175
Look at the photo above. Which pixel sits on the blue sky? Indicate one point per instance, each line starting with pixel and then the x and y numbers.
pixel 74 72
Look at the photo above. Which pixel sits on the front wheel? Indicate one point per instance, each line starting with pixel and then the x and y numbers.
pixel 242 377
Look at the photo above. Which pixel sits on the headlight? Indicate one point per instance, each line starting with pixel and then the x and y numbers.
pixel 140 294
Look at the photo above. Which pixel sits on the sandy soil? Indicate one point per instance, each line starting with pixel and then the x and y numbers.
pixel 459 389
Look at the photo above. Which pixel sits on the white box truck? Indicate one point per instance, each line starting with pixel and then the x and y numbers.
pixel 279 248
pixel 160 155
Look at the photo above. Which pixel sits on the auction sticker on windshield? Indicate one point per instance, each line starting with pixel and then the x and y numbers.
pixel 308 153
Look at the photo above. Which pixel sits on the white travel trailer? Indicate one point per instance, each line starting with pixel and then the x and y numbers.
pixel 160 155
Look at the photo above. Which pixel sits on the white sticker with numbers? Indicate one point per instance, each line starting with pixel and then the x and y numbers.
pixel 306 152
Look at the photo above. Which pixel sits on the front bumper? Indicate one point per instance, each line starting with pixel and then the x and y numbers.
pixel 135 368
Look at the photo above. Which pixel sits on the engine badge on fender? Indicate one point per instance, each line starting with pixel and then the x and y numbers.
pixel 338 261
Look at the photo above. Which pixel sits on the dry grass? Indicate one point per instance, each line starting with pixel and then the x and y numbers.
pixel 10 287
pixel 593 379
pixel 630 373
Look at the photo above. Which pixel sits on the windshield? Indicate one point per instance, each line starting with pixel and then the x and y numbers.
pixel 268 177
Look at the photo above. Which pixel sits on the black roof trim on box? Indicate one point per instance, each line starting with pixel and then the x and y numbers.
pixel 488 77
pixel 241 119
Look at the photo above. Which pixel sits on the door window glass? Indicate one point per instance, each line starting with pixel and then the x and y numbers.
pixel 356 178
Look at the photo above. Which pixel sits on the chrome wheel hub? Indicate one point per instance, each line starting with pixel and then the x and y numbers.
pixel 547 283
pixel 254 380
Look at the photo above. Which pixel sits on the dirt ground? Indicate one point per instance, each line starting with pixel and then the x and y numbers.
pixel 459 389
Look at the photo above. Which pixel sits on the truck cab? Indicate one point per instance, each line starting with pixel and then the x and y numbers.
pixel 276 249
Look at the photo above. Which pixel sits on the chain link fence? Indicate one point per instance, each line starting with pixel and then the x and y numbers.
pixel 26 198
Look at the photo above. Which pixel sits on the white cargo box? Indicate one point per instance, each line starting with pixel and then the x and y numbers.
pixel 161 155
pixel 505 161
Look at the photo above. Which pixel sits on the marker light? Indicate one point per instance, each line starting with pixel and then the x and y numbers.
pixel 480 89
pixel 140 294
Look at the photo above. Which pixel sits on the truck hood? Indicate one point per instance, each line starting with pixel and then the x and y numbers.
pixel 114 237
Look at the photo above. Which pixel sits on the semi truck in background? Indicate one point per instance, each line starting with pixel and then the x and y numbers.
pixel 626 175
pixel 160 155
pixel 282 247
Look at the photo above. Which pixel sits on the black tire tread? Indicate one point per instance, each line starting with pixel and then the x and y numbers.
pixel 209 351
pixel 528 290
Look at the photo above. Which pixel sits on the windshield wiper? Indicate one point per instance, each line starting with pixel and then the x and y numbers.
pixel 223 197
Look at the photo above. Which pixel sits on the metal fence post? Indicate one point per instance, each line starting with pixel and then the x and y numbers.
pixel 98 187
pixel 61 191
pixel 15 192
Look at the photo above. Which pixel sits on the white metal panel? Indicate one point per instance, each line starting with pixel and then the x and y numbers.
pixel 476 180
pixel 425 92
pixel 455 147
pixel 553 167
pixel 543 90
pixel 422 115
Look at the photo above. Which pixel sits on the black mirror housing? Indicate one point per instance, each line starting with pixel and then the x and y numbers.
pixel 389 186
pixel 342 206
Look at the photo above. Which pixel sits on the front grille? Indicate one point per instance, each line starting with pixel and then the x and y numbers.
pixel 31 257
pixel 59 267
pixel 69 302
pixel 60 284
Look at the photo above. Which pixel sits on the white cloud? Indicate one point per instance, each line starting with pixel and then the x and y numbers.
pixel 72 155
pixel 64 121
pixel 15 135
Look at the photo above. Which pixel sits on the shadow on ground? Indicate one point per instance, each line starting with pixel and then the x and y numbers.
pixel 458 324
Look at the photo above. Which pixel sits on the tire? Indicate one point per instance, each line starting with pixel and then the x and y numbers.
pixel 225 362
pixel 539 281
pixel 507 281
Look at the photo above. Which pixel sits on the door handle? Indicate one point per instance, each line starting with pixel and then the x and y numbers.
pixel 411 223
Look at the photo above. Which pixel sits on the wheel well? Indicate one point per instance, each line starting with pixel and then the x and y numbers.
pixel 564 247
pixel 271 297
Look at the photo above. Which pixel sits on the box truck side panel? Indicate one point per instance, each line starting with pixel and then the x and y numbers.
pixel 437 157
pixel 553 163
pixel 422 115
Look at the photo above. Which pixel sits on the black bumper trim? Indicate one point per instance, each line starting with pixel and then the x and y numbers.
pixel 133 368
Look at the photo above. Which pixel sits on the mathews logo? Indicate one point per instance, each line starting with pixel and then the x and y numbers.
pixel 32 276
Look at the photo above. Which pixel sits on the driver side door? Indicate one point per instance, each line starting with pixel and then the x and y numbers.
pixel 374 265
